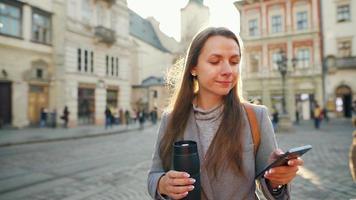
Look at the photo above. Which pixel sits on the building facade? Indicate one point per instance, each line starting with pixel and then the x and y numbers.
pixel 26 64
pixel 152 54
pixel 274 29
pixel 339 52
pixel 63 53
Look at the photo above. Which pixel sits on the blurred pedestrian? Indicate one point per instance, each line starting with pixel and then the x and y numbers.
pixel 325 114
pixel 127 117
pixel 54 118
pixel 354 109
pixel 317 116
pixel 141 118
pixel 108 117
pixel 43 117
pixel 154 115
pixel 275 119
pixel 65 116
pixel 121 116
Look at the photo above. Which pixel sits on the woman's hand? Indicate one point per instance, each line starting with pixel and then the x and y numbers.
pixel 284 174
pixel 175 184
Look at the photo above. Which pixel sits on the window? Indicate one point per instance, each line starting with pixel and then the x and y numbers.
pixel 112 66
pixel 343 13
pixel 117 67
pixel 72 8
pixel 79 54
pixel 303 57
pixel 39 73
pixel 276 56
pixel 91 61
pixel 276 24
pixel 111 98
pixel 254 63
pixel 302 20
pixel 86 11
pixel 155 94
pixel 41 26
pixel 344 48
pixel 100 14
pixel 253 29
pixel 107 65
pixel 85 60
pixel 10 19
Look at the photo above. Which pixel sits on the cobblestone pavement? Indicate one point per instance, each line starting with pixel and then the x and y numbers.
pixel 115 166
pixel 326 173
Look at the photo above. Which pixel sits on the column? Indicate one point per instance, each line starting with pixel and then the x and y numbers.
pixel 19 104
pixel 27 21
pixel 100 104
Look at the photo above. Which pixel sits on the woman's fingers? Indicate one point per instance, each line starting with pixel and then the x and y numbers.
pixel 178 196
pixel 296 162
pixel 284 174
pixel 178 184
pixel 179 192
pixel 182 181
pixel 179 189
pixel 176 174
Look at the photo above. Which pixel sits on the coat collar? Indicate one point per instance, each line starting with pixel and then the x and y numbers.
pixel 191 133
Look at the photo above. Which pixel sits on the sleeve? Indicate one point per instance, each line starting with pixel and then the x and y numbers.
pixel 156 171
pixel 267 146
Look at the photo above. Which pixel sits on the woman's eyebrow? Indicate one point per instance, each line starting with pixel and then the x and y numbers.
pixel 218 55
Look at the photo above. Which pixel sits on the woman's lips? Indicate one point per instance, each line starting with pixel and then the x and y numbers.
pixel 224 83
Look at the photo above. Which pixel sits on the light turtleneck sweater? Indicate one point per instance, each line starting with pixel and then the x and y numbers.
pixel 208 122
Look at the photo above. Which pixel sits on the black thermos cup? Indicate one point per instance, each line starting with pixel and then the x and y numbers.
pixel 186 159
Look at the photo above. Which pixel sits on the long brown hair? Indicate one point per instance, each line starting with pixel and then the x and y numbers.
pixel 227 141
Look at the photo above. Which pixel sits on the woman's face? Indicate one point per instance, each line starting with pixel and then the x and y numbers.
pixel 217 67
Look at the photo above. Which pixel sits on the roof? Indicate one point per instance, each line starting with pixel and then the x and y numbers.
pixel 153 80
pixel 143 30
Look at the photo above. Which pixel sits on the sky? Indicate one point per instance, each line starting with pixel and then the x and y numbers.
pixel 167 12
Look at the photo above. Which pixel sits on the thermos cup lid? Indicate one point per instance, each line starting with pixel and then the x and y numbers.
pixel 185 147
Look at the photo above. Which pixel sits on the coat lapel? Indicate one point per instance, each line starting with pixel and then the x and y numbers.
pixel 191 133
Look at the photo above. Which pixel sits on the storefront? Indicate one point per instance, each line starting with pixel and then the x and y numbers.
pixel 86 104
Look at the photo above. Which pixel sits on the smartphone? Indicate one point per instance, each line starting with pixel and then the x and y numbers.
pixel 284 158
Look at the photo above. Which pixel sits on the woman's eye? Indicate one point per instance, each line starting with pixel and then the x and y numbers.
pixel 214 62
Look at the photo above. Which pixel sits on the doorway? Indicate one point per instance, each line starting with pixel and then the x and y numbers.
pixel 86 105
pixel 5 103
pixel 37 99
pixel 344 100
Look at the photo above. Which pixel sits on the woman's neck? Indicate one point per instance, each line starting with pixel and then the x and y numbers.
pixel 207 102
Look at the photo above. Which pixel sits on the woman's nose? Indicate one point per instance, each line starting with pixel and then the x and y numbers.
pixel 226 68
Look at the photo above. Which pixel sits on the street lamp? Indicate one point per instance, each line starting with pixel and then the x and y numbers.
pixel 282 64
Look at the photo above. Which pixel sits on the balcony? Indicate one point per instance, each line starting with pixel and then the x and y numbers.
pixel 346 62
pixel 105 35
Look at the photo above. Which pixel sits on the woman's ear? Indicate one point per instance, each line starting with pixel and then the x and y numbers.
pixel 193 71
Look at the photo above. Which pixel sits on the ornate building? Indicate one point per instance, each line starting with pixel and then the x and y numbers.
pixel 152 53
pixel 63 53
pixel 339 55
pixel 275 29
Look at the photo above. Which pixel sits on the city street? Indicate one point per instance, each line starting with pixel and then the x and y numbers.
pixel 115 166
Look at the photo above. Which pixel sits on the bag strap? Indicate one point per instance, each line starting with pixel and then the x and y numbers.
pixel 255 128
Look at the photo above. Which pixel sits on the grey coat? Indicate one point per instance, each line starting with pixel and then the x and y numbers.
pixel 228 185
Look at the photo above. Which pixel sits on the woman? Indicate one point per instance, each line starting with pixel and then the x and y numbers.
pixel 207 108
